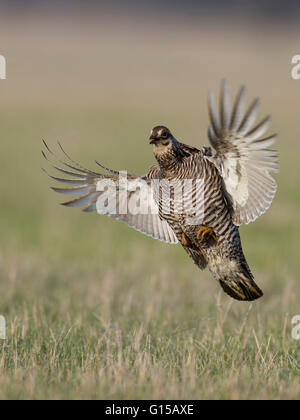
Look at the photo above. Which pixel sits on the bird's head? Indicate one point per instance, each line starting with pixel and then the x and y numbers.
pixel 161 138
pixel 166 148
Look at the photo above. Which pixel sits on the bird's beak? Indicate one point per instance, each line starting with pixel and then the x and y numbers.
pixel 153 139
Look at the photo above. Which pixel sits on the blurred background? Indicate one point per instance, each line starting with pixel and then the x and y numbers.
pixel 97 76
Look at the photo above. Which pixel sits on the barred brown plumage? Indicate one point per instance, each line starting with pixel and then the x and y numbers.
pixel 193 196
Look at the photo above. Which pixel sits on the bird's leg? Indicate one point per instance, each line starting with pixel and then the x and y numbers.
pixel 206 232
pixel 187 243
pixel 185 240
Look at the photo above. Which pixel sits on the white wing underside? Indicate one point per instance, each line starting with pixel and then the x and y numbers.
pixel 144 217
pixel 243 158
pixel 130 201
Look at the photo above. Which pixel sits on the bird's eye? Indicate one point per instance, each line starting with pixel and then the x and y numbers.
pixel 165 135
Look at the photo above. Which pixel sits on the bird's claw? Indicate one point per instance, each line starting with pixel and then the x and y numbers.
pixel 205 233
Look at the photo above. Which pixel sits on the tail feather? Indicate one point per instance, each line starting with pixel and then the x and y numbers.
pixel 240 285
pixel 241 289
pixel 233 274
pixel 235 277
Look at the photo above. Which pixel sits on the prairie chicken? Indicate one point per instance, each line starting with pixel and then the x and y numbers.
pixel 233 186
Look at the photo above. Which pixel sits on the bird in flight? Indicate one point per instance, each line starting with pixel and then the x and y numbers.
pixel 195 197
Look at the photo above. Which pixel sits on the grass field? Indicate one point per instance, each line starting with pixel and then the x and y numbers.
pixel 94 309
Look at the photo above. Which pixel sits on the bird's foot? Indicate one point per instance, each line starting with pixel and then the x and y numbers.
pixel 205 233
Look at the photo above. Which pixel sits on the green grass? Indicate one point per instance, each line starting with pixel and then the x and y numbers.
pixel 94 309
pixel 95 330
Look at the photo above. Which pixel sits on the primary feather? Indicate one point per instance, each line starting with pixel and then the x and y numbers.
pixel 242 156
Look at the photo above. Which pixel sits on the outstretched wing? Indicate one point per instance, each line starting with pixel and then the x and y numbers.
pixel 118 195
pixel 242 156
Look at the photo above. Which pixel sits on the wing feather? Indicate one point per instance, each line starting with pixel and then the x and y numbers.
pixel 85 186
pixel 243 158
pixel 238 109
